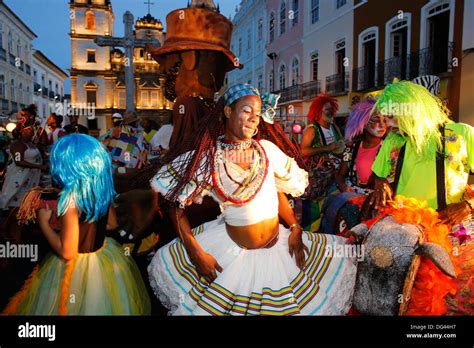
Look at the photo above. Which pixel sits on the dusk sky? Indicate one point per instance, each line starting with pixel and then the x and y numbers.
pixel 49 19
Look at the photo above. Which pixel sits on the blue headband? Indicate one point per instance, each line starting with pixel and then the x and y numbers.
pixel 269 100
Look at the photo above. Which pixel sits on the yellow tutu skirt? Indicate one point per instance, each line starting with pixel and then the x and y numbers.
pixel 104 282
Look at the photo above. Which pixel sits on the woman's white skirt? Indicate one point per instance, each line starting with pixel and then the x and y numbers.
pixel 254 281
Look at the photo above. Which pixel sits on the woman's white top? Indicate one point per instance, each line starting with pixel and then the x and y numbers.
pixel 283 175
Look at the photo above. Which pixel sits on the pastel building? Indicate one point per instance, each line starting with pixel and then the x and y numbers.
pixel 285 22
pixel 249 38
pixel 327 49
pixel 16 56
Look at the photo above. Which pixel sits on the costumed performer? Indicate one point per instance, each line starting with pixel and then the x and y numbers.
pixel 245 262
pixel 87 273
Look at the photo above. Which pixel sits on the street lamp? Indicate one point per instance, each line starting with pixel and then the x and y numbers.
pixel 272 56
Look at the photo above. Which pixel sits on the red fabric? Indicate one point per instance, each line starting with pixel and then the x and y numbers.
pixel 364 160
pixel 52 205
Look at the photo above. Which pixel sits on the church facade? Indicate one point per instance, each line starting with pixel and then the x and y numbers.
pixel 97 72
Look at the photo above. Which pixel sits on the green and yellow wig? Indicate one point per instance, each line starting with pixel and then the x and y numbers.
pixel 419 114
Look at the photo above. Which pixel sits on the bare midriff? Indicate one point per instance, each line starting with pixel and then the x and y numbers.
pixel 254 236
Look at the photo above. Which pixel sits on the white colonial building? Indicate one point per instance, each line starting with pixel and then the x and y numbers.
pixel 97 73
pixel 248 43
pixel 327 48
pixel 16 81
pixel 48 84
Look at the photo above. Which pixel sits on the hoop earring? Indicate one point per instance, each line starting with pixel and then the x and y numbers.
pixel 256 132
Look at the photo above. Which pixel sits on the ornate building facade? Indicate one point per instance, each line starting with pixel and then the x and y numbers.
pixel 97 72
pixel 48 84
pixel 16 55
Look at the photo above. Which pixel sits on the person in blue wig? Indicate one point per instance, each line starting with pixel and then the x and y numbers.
pixel 86 273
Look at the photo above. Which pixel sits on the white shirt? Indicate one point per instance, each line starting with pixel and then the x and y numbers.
pixel 328 135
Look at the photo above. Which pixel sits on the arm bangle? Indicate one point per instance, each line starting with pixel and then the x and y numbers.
pixel 296 225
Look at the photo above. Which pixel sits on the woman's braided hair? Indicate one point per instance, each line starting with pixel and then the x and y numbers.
pixel 203 142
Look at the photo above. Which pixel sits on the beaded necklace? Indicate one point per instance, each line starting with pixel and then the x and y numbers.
pixel 249 188
pixel 234 145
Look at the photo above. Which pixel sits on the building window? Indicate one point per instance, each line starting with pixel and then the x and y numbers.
pixel 90 20
pixel 271 27
pixel 18 48
pixel 12 90
pixel 20 93
pixel 260 83
pixel 90 56
pixel 282 18
pixel 282 77
pixel 249 39
pixel 144 100
pixel 154 99
pixel 91 95
pixel 314 11
pixel 2 86
pixel 260 29
pixel 50 85
pixel 296 12
pixel 121 99
pixel 10 42
pixel 1 35
pixel 340 55
pixel 295 71
pixel 340 3
pixel 142 52
pixel 271 81
pixel 314 66
pixel 240 46
pixel 42 80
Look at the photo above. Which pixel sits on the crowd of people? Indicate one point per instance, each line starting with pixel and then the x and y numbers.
pixel 256 257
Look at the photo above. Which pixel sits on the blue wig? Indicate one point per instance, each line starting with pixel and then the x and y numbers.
pixel 81 168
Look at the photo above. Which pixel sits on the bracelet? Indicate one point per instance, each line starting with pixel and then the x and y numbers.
pixel 296 225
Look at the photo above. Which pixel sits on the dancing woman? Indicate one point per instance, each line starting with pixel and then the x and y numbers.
pixel 245 262
pixel 87 273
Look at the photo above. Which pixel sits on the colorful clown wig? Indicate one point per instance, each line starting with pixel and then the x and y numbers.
pixel 419 114
pixel 359 116
pixel 315 113
pixel 81 168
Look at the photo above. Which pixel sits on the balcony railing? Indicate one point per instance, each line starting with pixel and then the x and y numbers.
pixel 311 89
pixel 291 93
pixel 3 54
pixel 337 83
pixel 428 61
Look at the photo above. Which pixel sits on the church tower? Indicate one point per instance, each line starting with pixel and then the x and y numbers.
pixel 91 68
